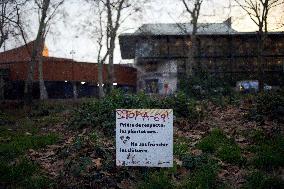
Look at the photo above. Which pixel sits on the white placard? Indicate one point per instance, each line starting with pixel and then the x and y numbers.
pixel 144 137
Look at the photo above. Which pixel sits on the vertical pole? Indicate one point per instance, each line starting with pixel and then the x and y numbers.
pixel 2 84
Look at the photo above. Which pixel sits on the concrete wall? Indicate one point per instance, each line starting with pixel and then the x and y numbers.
pixel 164 75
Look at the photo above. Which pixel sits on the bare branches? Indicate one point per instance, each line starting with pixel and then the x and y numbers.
pixel 193 8
pixel 258 10
pixel 10 22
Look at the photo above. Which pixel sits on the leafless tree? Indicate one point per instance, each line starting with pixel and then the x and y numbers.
pixel 259 12
pixel 10 19
pixel 100 59
pixel 47 10
pixel 111 15
pixel 192 7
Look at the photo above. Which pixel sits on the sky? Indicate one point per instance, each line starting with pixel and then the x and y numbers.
pixel 69 36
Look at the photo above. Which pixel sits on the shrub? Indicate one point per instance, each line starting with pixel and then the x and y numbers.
pixel 205 86
pixel 101 113
pixel 269 104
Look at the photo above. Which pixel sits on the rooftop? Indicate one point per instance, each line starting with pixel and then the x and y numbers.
pixel 184 29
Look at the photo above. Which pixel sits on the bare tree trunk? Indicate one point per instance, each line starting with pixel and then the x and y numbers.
pixel 191 57
pixel 111 66
pixel 260 70
pixel 2 85
pixel 75 90
pixel 42 88
pixel 100 79
pixel 35 53
pixel 194 14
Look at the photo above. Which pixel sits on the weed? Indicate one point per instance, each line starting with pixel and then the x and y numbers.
pixel 5 119
pixel 269 153
pixel 258 136
pixel 181 147
pixel 20 143
pixel 46 109
pixel 192 162
pixel 259 180
pixel 211 142
pixel 94 136
pixel 23 174
pixel 204 176
pixel 159 179
pixel 224 148
pixel 230 153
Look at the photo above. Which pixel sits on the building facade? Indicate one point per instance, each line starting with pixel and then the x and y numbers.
pixel 160 52
pixel 61 75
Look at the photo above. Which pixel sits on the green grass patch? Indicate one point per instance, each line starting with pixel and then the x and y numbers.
pixel 23 174
pixel 269 152
pixel 50 120
pixel 46 109
pixel 230 153
pixel 259 180
pixel 18 144
pixel 6 119
pixel 158 179
pixel 181 147
pixel 224 148
pixel 204 176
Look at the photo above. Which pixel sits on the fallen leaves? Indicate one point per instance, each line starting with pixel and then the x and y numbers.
pixel 97 162
pixel 77 161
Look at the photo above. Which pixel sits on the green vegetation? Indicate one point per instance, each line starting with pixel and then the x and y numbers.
pixel 204 86
pixel 15 140
pixel 269 152
pixel 18 144
pixel 158 180
pixel 181 147
pixel 23 174
pixel 204 176
pixel 259 180
pixel 224 148
pixel 101 113
pixel 88 155
pixel 267 105
pixel 43 109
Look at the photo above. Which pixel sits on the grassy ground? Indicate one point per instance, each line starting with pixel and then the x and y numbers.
pixel 39 149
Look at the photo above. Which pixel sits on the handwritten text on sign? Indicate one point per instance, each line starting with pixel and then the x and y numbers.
pixel 144 137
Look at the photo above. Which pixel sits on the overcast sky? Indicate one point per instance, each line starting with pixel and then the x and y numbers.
pixel 66 37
